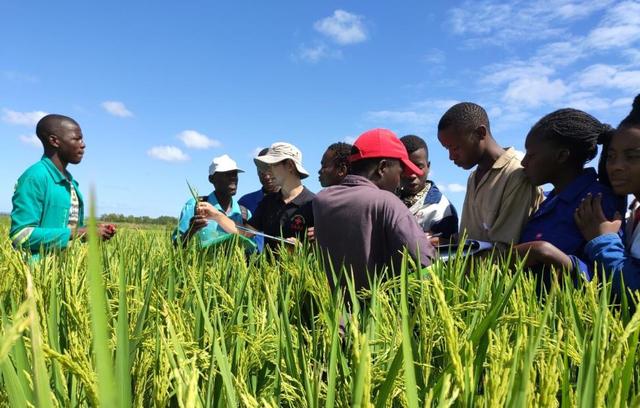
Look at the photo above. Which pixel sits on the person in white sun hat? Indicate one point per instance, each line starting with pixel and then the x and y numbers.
pixel 286 213
pixel 223 174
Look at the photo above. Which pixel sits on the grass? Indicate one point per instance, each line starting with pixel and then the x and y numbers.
pixel 137 322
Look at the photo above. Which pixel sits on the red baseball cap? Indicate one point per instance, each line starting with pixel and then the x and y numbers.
pixel 383 143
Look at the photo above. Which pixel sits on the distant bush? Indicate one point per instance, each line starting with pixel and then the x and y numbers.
pixel 131 219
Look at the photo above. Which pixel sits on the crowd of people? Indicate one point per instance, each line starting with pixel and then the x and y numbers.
pixel 378 202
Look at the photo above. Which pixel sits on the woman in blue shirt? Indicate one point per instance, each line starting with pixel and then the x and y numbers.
pixel 557 148
pixel 619 257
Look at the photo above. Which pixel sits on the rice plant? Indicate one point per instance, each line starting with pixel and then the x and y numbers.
pixel 138 322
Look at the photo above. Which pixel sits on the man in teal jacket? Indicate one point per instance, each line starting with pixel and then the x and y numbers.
pixel 48 209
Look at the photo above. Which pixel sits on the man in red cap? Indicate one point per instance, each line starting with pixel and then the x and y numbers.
pixel 361 224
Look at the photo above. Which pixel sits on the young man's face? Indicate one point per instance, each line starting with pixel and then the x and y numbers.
pixel 225 182
pixel 464 147
pixel 280 172
pixel 330 174
pixel 390 172
pixel 69 143
pixel 413 184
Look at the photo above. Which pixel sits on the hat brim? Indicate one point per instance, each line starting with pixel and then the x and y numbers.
pixel 263 161
pixel 226 171
pixel 411 169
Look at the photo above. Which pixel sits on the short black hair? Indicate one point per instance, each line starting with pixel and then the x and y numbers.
pixel 464 115
pixel 50 124
pixel 413 143
pixel 633 118
pixel 341 151
pixel 578 131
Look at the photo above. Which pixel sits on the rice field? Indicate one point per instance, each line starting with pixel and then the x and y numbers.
pixel 137 322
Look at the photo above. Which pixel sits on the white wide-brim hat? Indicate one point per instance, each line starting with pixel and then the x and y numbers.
pixel 280 151
pixel 222 164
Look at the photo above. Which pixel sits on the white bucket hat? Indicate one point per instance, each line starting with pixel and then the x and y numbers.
pixel 280 151
pixel 223 163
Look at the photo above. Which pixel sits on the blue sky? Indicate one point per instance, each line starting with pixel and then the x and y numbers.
pixel 160 88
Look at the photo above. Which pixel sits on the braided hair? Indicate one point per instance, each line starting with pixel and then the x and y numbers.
pixel 341 151
pixel 579 132
pixel 633 118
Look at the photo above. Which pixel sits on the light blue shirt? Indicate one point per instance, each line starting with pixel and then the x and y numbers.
pixel 213 230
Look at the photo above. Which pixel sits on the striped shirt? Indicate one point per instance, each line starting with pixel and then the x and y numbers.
pixel 435 213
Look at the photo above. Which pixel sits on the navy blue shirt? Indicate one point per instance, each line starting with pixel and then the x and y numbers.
pixel 275 217
pixel 553 221
pixel 250 201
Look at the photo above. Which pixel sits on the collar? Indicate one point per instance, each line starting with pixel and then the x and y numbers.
pixel 433 195
pixel 576 188
pixel 213 200
pixel 58 177
pixel 505 158
pixel 354 180
pixel 305 196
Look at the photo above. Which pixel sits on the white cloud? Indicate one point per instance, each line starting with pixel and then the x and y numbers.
pixel 609 76
pixel 350 139
pixel 625 102
pixel 514 70
pixel 535 91
pixel 620 27
pixel 316 53
pixel 501 23
pixel 117 108
pixel 31 140
pixel 22 118
pixel 343 27
pixel 196 140
pixel 456 188
pixel 421 114
pixel 167 153
pixel 435 56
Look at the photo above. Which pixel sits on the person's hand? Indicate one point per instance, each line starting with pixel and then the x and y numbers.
pixel 293 241
pixel 196 223
pixel 207 210
pixel 591 220
pixel 106 231
pixel 311 234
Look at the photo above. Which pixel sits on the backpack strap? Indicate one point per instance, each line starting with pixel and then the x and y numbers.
pixel 244 212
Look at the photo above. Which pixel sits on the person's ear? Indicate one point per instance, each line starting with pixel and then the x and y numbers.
pixel 53 141
pixel 563 155
pixel 381 168
pixel 211 178
pixel 428 164
pixel 342 170
pixel 481 131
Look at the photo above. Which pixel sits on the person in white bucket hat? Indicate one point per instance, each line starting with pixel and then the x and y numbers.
pixel 223 174
pixel 286 213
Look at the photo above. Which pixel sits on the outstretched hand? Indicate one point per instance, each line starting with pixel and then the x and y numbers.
pixel 207 210
pixel 591 219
